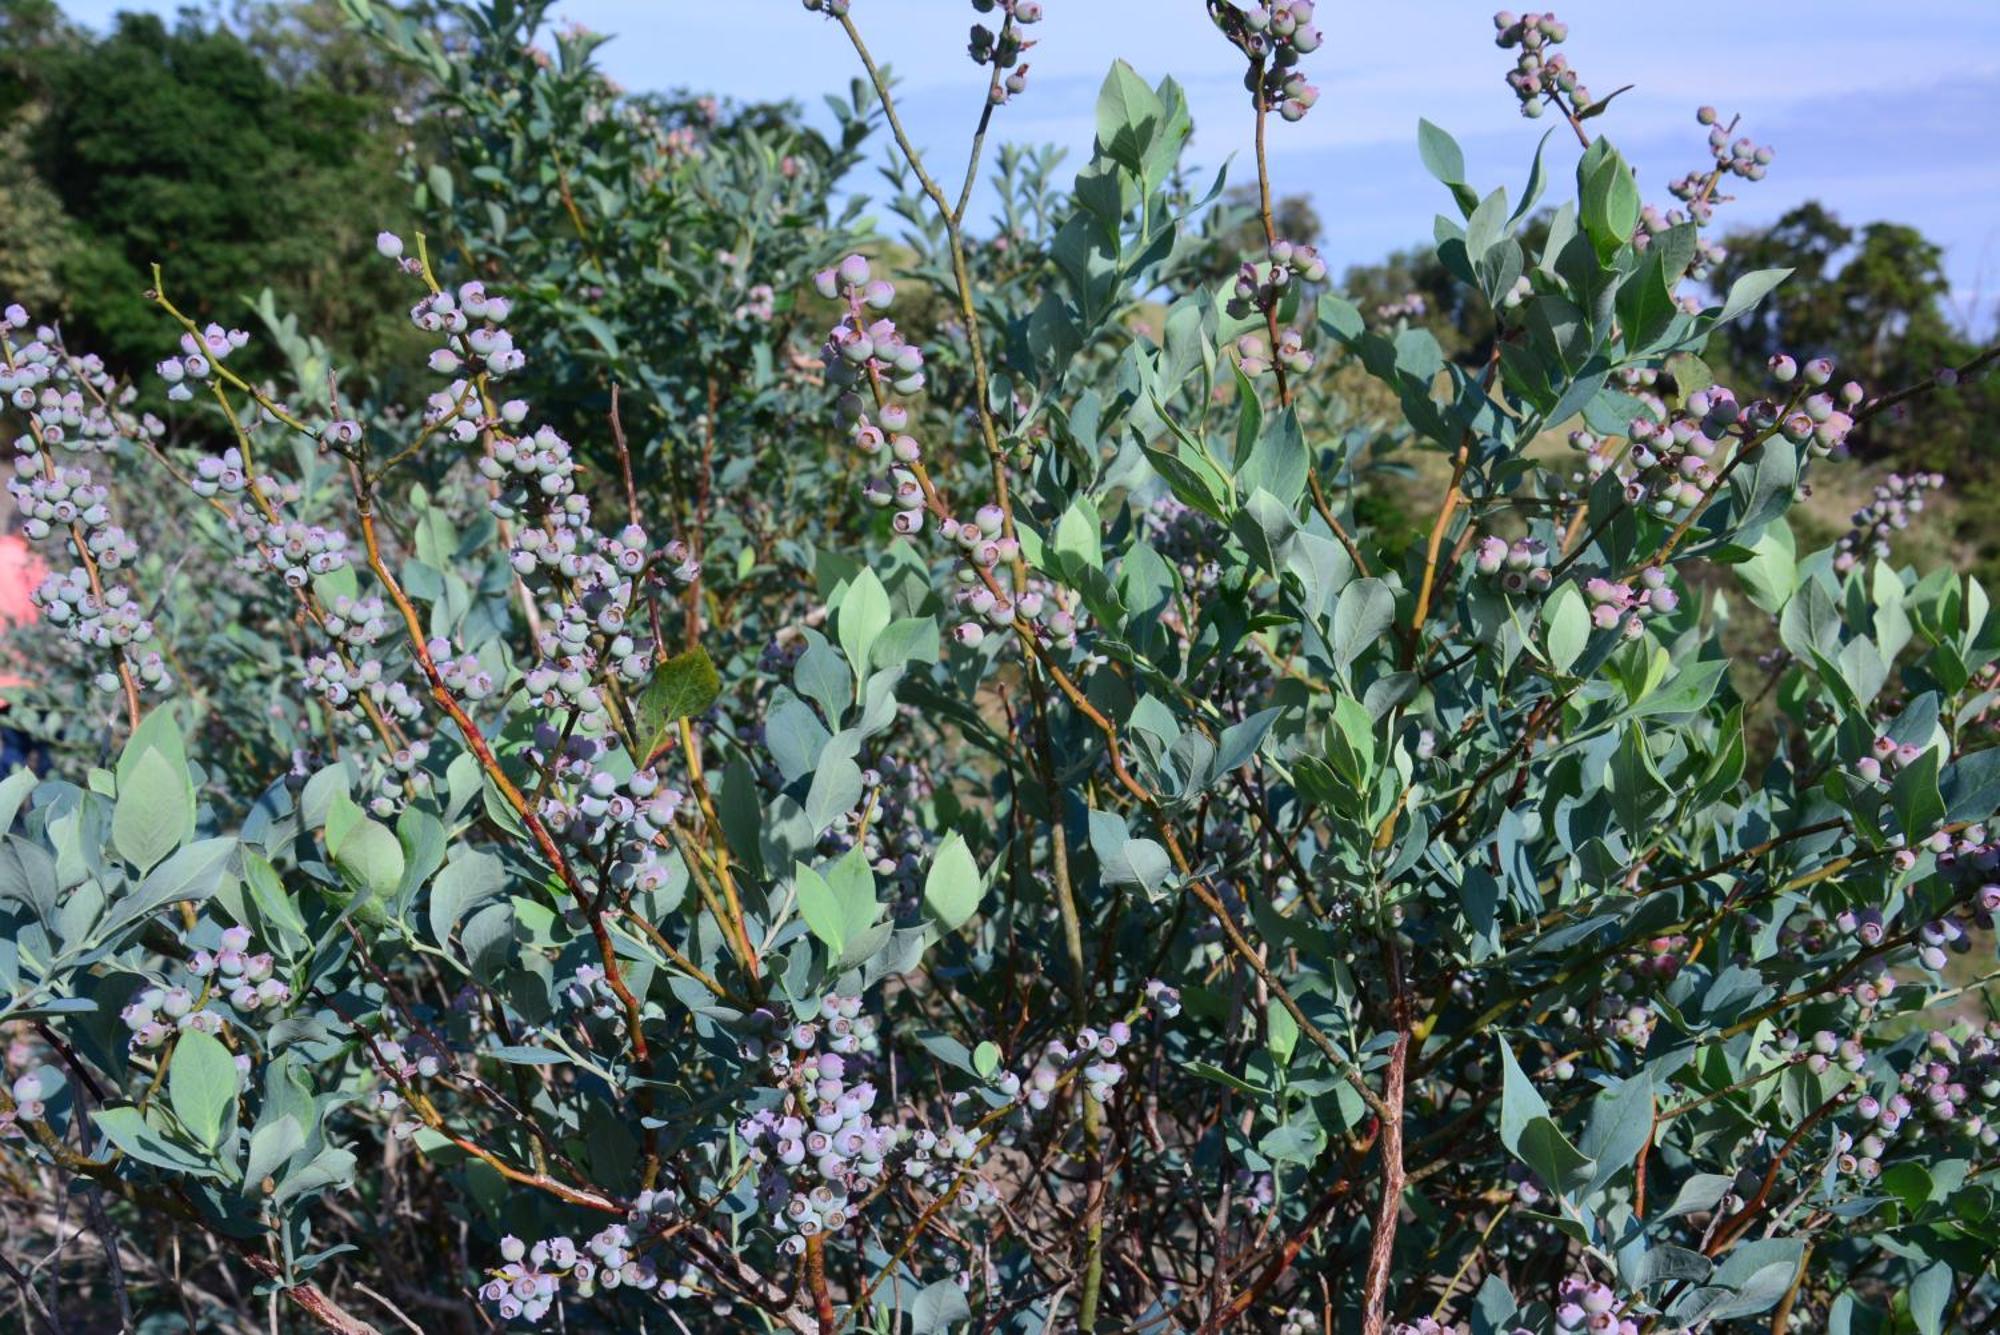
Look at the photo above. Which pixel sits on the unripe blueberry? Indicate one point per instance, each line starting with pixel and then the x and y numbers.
pixel 389 244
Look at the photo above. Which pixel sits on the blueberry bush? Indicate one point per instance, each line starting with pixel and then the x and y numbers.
pixel 783 778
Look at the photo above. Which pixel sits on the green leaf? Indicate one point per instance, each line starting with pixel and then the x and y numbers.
pixel 953 886
pixel 1365 611
pixel 682 687
pixel 1930 1292
pixel 1281 1032
pixel 1637 790
pixel 1562 1167
pixel 1128 114
pixel 1609 205
pixel 271 1144
pixel 370 854
pixel 155 811
pixel 158 731
pixel 1441 154
pixel 267 892
pixel 836 784
pixel 864 615
pixel 1971 786
pixel 1123 859
pixel 821 909
pixel 1078 541
pixel 1700 1192
pixel 1750 289
pixel 907 640
pixel 1531 1136
pixel 986 1059
pixel 470 878
pixel 937 1306
pixel 14 790
pixel 1566 627
pixel 1771 574
pixel 1914 796
pixel 1688 693
pixel 1208 1071
pixel 1297 1142
pixel 192 873
pixel 201 1086
pixel 126 1127
pixel 527 1054
pixel 331 1167
pixel 1621 1122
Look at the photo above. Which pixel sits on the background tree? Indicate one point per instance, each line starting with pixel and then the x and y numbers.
pixel 180 144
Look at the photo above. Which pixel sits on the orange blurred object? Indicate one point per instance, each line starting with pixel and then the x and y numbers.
pixel 20 571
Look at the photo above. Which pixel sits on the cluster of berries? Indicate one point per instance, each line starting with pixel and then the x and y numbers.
pixel 290 547
pixel 1742 157
pixel 1898 500
pixel 1256 355
pixel 1582 1304
pixel 1522 566
pixel 1951 1089
pixel 51 496
pixel 1409 306
pixel 28 1093
pixel 71 400
pixel 1540 75
pixel 1274 34
pixel 859 345
pixel 588 584
pixel 529 1280
pixel 1617 603
pixel 1820 421
pixel 1696 191
pixel 898 839
pixel 1286 262
pixel 298 550
pixel 353 670
pixel 602 813
pixel 760 305
pixel 1823 1051
pixel 197 362
pixel 229 972
pixel 878 351
pixel 589 989
pixel 111 623
pixel 1261 289
pixel 1671 465
pixel 472 321
pixel 1886 757
pixel 818 1142
pixel 592 586
pixel 1093 1050
pixel 400 1066
pixel 936 1158
pixel 1003 49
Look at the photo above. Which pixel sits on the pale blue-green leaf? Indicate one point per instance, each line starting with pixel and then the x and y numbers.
pixel 201 1086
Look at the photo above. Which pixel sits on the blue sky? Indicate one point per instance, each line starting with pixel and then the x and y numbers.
pixel 1881 112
